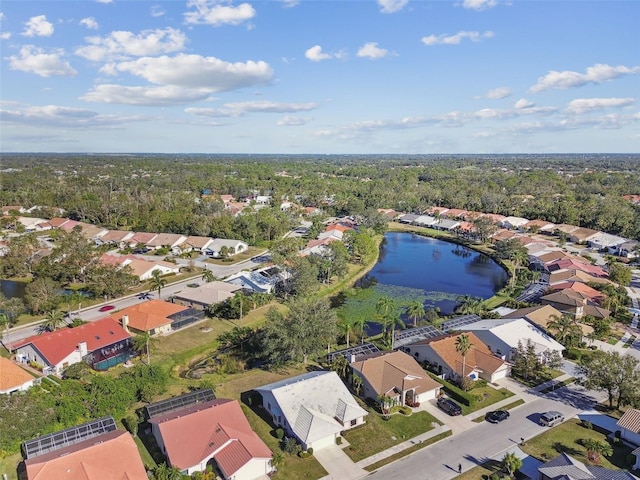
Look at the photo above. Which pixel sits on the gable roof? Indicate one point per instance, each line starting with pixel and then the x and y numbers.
pixel 208 293
pixel 55 346
pixel 148 315
pixel 110 456
pixel 479 357
pixel 116 236
pixel 166 240
pixel 561 264
pixel 540 314
pixel 142 237
pixel 315 404
pixel 216 428
pixel 630 420
pixel 580 287
pixel 198 242
pixel 566 467
pixel 574 275
pixel 394 371
pixel 11 375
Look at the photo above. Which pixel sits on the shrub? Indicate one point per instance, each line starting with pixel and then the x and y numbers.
pixel 338 440
pixel 454 392
pixel 279 433
pixel 131 424
pixel 301 454
pixel 310 451
pixel 291 446
pixel 405 410
pixel 587 424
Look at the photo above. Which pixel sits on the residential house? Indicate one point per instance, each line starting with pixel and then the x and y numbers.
pixel 628 249
pixel 314 407
pixel 33 224
pixel 574 275
pixel 455 213
pixel 215 433
pixel 438 211
pixel 115 237
pixel 565 467
pixel 539 315
pixel 635 199
pixel 141 268
pixel 140 238
pixel 152 317
pixel 166 240
pixel 565 229
pixel 408 218
pixel 585 290
pixel 7 209
pixel 494 217
pixel 395 375
pixel 538 225
pixel 196 243
pixel 503 336
pixel 446 224
pixel 234 247
pixel 206 294
pixel 79 453
pixel 582 235
pixel 601 241
pixel 503 234
pixel 574 263
pixel 574 303
pixel 441 353
pixel 259 281
pixel 57 222
pixel 541 260
pixel 511 223
pixel 425 221
pixel 629 426
pixel 227 199
pixel 13 378
pixel 101 344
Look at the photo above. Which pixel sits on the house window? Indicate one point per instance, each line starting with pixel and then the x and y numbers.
pixel 268 406
pixel 354 423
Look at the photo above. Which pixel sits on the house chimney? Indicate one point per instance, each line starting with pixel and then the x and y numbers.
pixel 82 348
pixel 125 323
pixel 352 358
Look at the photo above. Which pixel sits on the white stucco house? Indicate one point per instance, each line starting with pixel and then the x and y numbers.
pixel 314 407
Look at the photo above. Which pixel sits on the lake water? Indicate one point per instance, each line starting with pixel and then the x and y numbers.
pixel 11 289
pixel 438 272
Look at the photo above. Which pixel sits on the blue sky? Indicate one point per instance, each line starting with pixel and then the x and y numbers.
pixel 332 76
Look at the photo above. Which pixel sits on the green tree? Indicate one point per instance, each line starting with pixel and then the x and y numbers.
pixel 156 282
pixel 165 472
pixel 309 327
pixel 346 327
pixel 510 463
pixel 463 345
pixel 356 383
pixel 277 460
pixel 54 319
pixel 340 365
pixel 41 295
pixel 208 276
pixel 596 449
pixel 526 362
pixel 617 375
pixel 143 344
pixel 416 311
pixel 619 273
pixel 565 329
pixel 385 306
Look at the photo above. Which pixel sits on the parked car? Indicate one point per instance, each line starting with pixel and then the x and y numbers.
pixel 449 406
pixel 193 285
pixel 107 308
pixel 496 416
pixel 551 419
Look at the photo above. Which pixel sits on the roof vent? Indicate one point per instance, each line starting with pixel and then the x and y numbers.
pixel 97 337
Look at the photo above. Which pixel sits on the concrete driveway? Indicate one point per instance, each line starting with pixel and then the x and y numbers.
pixel 337 464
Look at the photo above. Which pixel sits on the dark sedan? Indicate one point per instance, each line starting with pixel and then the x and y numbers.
pixel 497 416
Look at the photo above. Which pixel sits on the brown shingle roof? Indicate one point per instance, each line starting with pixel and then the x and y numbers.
pixel 394 371
pixel 630 420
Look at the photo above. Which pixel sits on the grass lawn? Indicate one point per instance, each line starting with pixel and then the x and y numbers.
pixel 378 434
pixel 565 438
pixel 544 376
pixel 9 465
pixel 481 472
pixel 489 396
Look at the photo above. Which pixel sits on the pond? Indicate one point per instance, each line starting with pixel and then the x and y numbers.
pixel 11 288
pixel 438 273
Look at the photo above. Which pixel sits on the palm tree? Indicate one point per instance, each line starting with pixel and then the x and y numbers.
pixel 470 305
pixel 596 449
pixel 53 320
pixel 346 326
pixel 208 276
pixel 356 382
pixel 143 343
pixel 340 365
pixel 416 311
pixel 277 460
pixel 463 345
pixel 511 463
pixel 359 325
pixel 164 472
pixel 385 305
pixel 156 282
pixel 565 327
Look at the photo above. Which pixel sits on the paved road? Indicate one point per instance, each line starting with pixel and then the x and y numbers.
pixel 94 313
pixel 484 441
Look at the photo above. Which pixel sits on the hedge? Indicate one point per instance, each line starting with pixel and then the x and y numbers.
pixel 455 392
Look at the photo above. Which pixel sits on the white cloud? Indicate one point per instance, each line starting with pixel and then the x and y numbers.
pixel 196 71
pixel 584 105
pixel 456 38
pixel 237 109
pixel 315 54
pixel 479 4
pixel 371 50
pixel 497 93
pixel 38 27
pixel 293 121
pixel 145 96
pixel 90 23
pixel 35 60
pixel 290 3
pixel 218 12
pixel 598 73
pixel 104 1
pixel 2 15
pixel 523 103
pixel 5 36
pixel 392 6
pixel 60 116
pixel 157 11
pixel 123 44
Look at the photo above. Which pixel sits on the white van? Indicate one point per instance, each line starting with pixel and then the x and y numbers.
pixel 551 419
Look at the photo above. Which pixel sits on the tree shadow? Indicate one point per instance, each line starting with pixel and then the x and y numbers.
pixel 562 448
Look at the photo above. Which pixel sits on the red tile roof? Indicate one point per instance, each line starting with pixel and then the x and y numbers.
pixel 55 346
pixel 111 456
pixel 11 375
pixel 217 428
pixel 573 264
